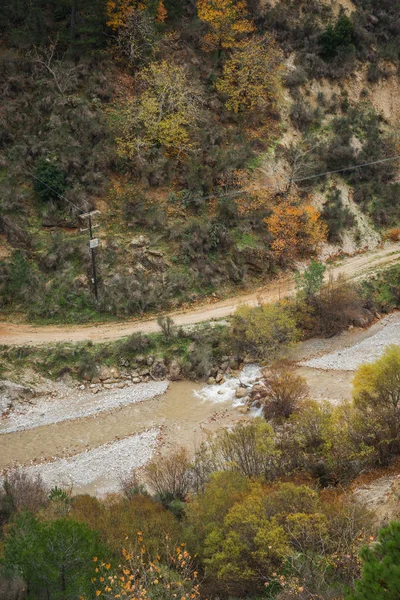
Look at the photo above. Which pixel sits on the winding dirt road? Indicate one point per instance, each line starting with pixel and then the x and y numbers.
pixel 356 267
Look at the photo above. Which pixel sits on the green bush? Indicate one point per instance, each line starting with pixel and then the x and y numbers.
pixel 50 182
pixel 335 37
pixel 338 217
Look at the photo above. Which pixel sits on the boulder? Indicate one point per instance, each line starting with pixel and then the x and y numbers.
pixel 241 392
pixel 175 371
pixel 139 242
pixel 12 393
pixel 211 381
pixel 158 370
pixel 364 319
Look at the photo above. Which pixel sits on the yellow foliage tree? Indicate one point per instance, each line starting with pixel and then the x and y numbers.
pixel 118 12
pixel 163 114
pixel 228 21
pixel 297 228
pixel 251 79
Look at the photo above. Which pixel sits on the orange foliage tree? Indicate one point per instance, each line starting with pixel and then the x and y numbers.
pixel 297 228
pixel 119 11
pixel 141 578
pixel 228 21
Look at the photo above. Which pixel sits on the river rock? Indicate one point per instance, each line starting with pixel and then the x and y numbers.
pixel 105 373
pixel 158 370
pixel 150 360
pixel 12 393
pixel 211 381
pixel 219 377
pixel 175 371
pixel 259 388
pixel 136 380
pixel 241 392
pixel 243 409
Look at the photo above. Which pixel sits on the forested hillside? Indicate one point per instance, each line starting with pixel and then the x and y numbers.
pixel 196 129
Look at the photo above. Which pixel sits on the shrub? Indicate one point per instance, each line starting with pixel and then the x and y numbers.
pixel 248 448
pixel 376 394
pixel 338 217
pixel 338 36
pixel 20 492
pixel 284 394
pixel 50 182
pixel 394 234
pixel 266 331
pixel 337 305
pixel 309 282
pixel 382 292
pixel 167 327
pixel 169 475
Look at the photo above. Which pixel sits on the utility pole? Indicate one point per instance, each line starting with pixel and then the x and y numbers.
pixel 93 244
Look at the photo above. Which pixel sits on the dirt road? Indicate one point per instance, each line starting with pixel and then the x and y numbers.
pixel 355 267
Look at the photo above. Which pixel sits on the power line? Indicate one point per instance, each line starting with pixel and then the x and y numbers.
pixel 93 242
pixel 55 191
pixel 297 180
pixel 369 164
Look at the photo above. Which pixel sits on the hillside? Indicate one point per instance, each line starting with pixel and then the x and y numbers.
pixel 158 115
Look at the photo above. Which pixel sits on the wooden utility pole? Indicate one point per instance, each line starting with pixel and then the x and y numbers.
pixel 93 244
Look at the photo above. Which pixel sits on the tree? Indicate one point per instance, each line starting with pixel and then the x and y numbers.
pixel 380 578
pixel 265 331
pixel 169 475
pixel 284 393
pixel 376 394
pixel 309 282
pixel 297 229
pixel 51 557
pixel 244 552
pixel 50 183
pixel 251 79
pixel 341 35
pixel 165 113
pixel 142 576
pixel 227 20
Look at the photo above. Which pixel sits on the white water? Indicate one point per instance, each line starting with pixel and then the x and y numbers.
pixel 226 391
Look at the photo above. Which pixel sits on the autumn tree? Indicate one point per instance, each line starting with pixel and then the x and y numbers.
pixel 227 21
pixel 169 475
pixel 118 12
pixel 165 112
pixel 265 331
pixel 297 228
pixel 376 394
pixel 284 392
pixel 142 576
pixel 251 79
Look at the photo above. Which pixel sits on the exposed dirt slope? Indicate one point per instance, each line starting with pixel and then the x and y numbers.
pixel 354 267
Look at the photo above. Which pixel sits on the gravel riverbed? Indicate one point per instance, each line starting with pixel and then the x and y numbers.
pixel 367 350
pixel 77 404
pixel 100 469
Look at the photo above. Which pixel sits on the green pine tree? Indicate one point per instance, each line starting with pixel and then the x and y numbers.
pixel 380 578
